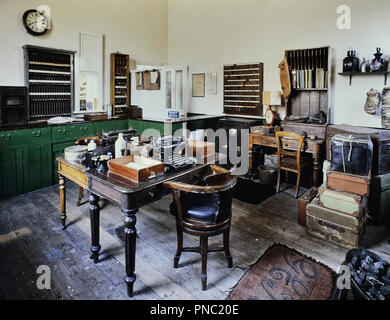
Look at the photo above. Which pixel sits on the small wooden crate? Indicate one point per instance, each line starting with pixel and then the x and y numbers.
pixel 142 168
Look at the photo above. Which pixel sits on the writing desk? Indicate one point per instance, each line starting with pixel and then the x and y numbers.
pixel 131 196
pixel 314 147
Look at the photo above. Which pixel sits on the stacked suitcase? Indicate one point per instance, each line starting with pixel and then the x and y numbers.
pixel 339 211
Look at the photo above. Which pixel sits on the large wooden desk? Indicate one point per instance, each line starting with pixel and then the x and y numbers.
pixel 130 196
pixel 313 147
pixel 74 172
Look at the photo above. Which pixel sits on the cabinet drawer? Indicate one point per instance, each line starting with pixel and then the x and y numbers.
pixel 71 132
pixel 24 137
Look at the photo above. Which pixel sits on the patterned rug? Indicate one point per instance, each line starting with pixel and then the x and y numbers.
pixel 285 274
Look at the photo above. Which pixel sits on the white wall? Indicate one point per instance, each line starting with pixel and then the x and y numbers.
pixel 135 27
pixel 208 34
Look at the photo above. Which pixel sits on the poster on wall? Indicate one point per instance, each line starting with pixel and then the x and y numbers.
pixel 88 93
pixel 198 84
pixel 211 83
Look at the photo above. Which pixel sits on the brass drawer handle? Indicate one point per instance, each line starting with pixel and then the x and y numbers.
pixel 6 137
pixel 36 134
pixel 83 129
pixel 62 131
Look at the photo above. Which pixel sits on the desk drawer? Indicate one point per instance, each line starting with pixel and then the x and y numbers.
pixel 264 141
pixel 24 137
pixel 152 194
pixel 71 132
pixel 158 191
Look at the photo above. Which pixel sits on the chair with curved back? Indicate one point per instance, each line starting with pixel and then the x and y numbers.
pixel 204 211
pixel 290 161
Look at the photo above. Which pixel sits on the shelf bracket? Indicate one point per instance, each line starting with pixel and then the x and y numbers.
pixel 350 80
pixel 385 79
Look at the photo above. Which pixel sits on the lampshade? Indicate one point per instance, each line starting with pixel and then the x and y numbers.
pixel 272 98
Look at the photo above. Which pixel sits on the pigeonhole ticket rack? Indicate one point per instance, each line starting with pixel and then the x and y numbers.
pixel 49 77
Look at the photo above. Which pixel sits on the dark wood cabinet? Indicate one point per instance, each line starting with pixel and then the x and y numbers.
pixel 233 127
pixel 13 105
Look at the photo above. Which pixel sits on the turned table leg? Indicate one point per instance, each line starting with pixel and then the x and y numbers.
pixel 316 166
pixel 94 214
pixel 250 155
pixel 62 201
pixel 80 196
pixel 130 235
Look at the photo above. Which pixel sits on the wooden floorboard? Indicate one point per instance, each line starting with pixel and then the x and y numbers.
pixel 31 235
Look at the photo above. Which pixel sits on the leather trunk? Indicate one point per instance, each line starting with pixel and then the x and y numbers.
pixel 351 154
pixel 379 137
pixel 379 200
pixel 381 159
pixel 303 201
pixel 349 183
pixel 341 229
pixel 343 202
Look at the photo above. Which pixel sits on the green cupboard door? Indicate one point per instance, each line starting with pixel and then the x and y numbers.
pixel 122 124
pixel 136 125
pixel 152 128
pixel 37 167
pixel 11 171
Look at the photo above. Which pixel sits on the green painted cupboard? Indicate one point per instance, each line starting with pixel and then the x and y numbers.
pixel 25 161
pixel 28 156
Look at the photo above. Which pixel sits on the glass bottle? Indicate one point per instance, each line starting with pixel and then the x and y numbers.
pixel 364 66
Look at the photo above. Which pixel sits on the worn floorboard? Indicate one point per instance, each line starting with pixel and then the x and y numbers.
pixel 30 236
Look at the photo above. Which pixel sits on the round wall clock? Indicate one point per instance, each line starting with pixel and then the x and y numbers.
pixel 35 22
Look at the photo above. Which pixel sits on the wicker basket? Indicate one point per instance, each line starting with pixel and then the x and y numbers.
pixel 267 175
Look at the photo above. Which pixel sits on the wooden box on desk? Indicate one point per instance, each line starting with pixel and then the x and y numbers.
pixel 200 148
pixel 141 169
pixel 263 130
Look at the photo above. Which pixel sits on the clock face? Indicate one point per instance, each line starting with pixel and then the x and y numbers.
pixel 35 22
pixel 269 116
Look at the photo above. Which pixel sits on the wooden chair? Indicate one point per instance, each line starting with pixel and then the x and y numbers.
pixel 204 211
pixel 290 161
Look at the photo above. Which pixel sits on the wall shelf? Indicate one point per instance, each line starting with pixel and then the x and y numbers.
pixel 120 84
pixel 351 74
pixel 310 89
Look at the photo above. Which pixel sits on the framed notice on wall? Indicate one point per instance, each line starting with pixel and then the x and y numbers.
pixel 211 83
pixel 198 84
